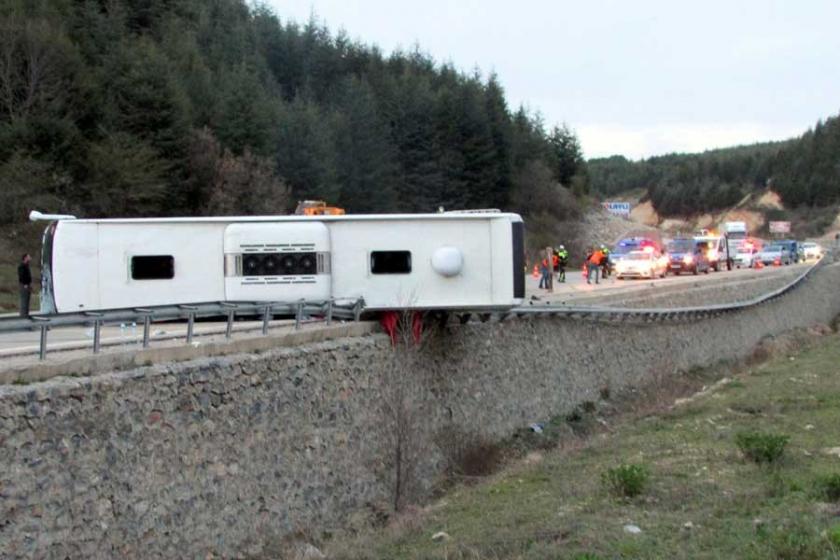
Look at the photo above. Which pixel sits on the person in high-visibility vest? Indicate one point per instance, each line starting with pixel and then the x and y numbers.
pixel 594 266
pixel 605 262
pixel 562 256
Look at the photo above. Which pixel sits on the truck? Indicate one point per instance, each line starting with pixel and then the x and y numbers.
pixel 735 230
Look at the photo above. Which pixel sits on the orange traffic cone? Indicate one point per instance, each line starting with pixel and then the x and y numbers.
pixel 536 273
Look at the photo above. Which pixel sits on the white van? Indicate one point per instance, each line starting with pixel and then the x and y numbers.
pixel 715 250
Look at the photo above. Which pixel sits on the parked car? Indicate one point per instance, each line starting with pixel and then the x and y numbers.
pixel 812 251
pixel 628 245
pixel 775 254
pixel 793 248
pixel 746 254
pixel 684 255
pixel 642 264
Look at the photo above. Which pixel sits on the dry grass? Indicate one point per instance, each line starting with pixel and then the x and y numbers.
pixel 704 499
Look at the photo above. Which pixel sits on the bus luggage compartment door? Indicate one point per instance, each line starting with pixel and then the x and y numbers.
pixel 281 262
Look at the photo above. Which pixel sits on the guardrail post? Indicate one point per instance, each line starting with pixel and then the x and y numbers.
pixel 97 331
pixel 357 310
pixel 190 321
pixel 147 330
pixel 42 355
pixel 147 325
pixel 97 335
pixel 229 326
pixel 266 319
pixel 190 326
pixel 231 315
pixel 299 314
pixel 330 310
pixel 42 350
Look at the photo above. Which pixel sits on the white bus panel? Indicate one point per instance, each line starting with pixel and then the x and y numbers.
pixel 277 262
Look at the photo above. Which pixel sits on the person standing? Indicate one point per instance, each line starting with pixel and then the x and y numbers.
pixel 562 261
pixel 25 281
pixel 594 266
pixel 605 262
pixel 545 274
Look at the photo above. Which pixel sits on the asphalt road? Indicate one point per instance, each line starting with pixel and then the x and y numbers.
pixel 576 288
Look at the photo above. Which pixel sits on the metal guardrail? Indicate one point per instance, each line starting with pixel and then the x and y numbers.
pixel 329 309
pixel 353 310
pixel 648 315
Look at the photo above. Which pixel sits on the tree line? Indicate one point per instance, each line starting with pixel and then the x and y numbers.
pixel 198 107
pixel 804 171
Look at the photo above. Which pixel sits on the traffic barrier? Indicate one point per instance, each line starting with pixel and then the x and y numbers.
pixel 347 309
pixel 354 309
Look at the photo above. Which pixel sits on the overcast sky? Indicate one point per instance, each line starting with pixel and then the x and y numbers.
pixel 634 78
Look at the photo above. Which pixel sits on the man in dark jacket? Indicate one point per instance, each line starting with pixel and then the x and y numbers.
pixel 25 281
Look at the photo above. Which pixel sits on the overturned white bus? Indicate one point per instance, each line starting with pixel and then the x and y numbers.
pixel 455 260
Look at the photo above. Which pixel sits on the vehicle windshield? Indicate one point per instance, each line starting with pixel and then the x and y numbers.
pixel 773 249
pixel 638 256
pixel 681 246
pixel 624 248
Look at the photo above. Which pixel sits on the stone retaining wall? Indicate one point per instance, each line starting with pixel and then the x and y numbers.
pixel 218 456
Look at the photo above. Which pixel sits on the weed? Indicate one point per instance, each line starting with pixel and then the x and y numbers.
pixel 604 392
pixel 588 407
pixel 469 454
pixel 833 535
pixel 626 480
pixel 761 447
pixel 777 485
pixel 798 542
pixel 586 556
pixel 575 415
pixel 828 487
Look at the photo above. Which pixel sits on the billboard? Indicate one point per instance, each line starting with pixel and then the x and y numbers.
pixel 779 227
pixel 618 208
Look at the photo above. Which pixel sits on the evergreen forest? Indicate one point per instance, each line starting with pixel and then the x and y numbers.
pixel 804 171
pixel 217 107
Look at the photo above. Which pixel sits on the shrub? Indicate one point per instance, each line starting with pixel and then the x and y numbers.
pixel 798 542
pixel 469 454
pixel 834 536
pixel 828 487
pixel 761 447
pixel 626 480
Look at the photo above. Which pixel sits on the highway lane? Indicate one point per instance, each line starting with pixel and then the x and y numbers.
pixel 127 335
pixel 575 289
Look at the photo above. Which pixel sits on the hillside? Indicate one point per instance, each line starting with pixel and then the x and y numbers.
pixel 685 485
pixel 757 209
pixel 217 107
pixel 804 172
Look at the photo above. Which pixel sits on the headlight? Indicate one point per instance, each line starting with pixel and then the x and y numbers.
pixel 688 259
pixel 713 254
